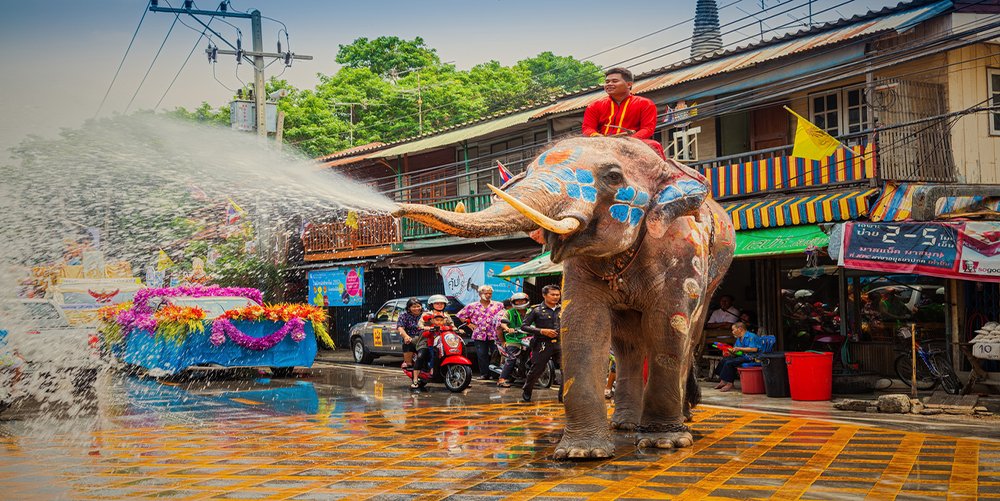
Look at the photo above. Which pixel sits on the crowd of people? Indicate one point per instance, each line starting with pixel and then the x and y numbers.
pixel 490 322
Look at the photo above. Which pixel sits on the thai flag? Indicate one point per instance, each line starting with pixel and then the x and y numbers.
pixel 505 174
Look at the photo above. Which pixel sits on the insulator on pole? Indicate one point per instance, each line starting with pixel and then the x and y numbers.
pixel 288 59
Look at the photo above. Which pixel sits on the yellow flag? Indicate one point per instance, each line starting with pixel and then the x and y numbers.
pixel 810 141
pixel 163 261
pixel 352 220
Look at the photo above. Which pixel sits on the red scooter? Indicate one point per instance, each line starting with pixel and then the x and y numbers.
pixel 450 366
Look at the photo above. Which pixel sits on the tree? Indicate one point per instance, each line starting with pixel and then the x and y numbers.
pixel 505 87
pixel 203 113
pixel 387 57
pixel 562 73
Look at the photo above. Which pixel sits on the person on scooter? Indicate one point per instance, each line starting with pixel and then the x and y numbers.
pixel 543 324
pixel 425 342
pixel 437 303
pixel 409 329
pixel 510 325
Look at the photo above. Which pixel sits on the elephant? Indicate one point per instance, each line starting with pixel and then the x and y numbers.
pixel 643 248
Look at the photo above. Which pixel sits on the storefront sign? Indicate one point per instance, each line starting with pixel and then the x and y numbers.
pixel 967 250
pixel 463 280
pixel 776 241
pixel 337 286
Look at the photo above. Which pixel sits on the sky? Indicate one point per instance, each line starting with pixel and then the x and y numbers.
pixel 60 56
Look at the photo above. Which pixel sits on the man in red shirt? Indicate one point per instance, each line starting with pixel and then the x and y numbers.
pixel 621 113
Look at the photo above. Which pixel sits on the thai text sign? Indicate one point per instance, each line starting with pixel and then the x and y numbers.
pixel 342 286
pixel 463 280
pixel 969 250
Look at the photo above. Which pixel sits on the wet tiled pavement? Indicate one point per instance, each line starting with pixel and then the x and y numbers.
pixel 299 441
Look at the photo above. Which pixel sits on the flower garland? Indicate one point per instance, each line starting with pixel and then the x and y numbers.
pixel 176 322
pixel 291 313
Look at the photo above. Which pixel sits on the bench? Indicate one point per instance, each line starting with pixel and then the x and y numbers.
pixel 712 360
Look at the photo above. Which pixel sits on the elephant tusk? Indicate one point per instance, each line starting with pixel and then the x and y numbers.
pixel 562 227
pixel 460 208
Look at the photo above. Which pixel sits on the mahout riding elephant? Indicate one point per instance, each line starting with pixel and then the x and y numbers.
pixel 643 249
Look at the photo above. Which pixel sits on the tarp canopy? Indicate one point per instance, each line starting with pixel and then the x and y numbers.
pixel 539 266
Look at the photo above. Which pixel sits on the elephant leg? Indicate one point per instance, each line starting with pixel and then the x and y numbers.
pixel 586 327
pixel 662 423
pixel 629 356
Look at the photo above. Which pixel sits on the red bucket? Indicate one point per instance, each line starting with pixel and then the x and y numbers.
pixel 810 375
pixel 751 380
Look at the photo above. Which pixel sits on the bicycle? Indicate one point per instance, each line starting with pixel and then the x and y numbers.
pixel 933 368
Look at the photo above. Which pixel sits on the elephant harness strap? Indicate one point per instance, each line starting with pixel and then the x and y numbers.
pixel 620 263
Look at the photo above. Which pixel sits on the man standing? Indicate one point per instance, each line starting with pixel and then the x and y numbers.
pixel 543 324
pixel 483 317
pixel 621 113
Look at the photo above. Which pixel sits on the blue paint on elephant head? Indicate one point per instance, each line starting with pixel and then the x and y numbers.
pixel 633 208
pixel 681 189
pixel 575 183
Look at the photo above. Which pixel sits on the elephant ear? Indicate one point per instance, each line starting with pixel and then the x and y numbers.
pixel 682 193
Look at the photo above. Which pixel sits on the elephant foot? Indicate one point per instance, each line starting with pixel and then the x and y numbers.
pixel 624 425
pixel 667 436
pixel 585 448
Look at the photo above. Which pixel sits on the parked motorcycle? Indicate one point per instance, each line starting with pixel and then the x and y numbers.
pixel 449 364
pixel 523 364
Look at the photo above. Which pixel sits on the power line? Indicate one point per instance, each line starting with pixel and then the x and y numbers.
pixel 120 64
pixel 151 63
pixel 179 70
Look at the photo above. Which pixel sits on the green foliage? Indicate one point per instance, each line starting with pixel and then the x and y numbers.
pixel 562 73
pixel 401 89
pixel 387 57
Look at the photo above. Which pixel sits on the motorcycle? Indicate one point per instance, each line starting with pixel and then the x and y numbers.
pixel 523 364
pixel 449 365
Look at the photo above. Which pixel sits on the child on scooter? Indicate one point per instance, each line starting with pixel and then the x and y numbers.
pixel 427 340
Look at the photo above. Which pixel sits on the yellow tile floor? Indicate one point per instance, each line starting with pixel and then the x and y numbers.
pixel 498 451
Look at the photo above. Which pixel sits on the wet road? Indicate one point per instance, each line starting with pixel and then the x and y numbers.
pixel 356 432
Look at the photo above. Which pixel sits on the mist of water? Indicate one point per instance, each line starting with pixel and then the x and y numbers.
pixel 131 186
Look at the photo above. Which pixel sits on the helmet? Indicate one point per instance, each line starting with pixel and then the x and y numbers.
pixel 519 296
pixel 437 298
pixel 803 293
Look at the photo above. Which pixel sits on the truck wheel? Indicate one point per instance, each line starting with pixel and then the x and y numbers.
pixel 361 353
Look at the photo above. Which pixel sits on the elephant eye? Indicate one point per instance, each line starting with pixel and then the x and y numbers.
pixel 613 177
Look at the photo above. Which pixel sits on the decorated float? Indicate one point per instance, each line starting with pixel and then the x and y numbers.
pixel 167 330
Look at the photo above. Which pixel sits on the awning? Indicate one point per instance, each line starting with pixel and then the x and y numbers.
pixel 777 241
pixel 457 135
pixel 435 259
pixel 803 209
pixel 539 266
pixel 896 203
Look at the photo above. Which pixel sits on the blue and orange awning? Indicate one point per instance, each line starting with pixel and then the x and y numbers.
pixel 803 209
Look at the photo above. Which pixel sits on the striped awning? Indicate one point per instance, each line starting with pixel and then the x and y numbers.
pixel 896 204
pixel 803 209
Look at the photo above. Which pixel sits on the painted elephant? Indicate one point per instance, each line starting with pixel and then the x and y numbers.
pixel 643 248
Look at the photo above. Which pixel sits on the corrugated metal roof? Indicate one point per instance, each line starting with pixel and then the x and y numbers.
pixel 350 151
pixel 457 135
pixel 786 45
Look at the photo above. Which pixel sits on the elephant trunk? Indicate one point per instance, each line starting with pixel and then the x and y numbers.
pixel 500 218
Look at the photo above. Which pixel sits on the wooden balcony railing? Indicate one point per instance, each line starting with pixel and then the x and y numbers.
pixel 473 203
pixel 374 235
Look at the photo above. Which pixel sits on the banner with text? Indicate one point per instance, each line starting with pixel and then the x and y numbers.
pixel 964 250
pixel 342 286
pixel 463 280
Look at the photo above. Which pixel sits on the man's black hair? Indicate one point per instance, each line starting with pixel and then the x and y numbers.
pixel 549 288
pixel 625 73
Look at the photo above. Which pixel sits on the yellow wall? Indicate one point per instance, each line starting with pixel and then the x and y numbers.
pixel 975 150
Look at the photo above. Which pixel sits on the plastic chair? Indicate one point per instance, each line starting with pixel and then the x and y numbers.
pixel 767 343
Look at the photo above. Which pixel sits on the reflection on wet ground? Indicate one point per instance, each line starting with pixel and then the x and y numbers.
pixel 352 433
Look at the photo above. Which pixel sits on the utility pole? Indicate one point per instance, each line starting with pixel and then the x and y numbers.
pixel 257 53
pixel 351 106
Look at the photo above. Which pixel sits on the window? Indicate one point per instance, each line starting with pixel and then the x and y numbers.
pixel 841 112
pixel 993 74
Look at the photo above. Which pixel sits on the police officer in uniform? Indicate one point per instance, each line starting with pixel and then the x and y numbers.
pixel 543 324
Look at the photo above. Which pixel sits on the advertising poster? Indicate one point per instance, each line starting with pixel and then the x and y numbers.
pixel 463 280
pixel 967 250
pixel 342 286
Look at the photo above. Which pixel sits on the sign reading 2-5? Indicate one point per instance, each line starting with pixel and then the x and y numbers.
pixel 913 243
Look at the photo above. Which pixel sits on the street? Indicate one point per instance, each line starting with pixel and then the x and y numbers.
pixel 347 431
